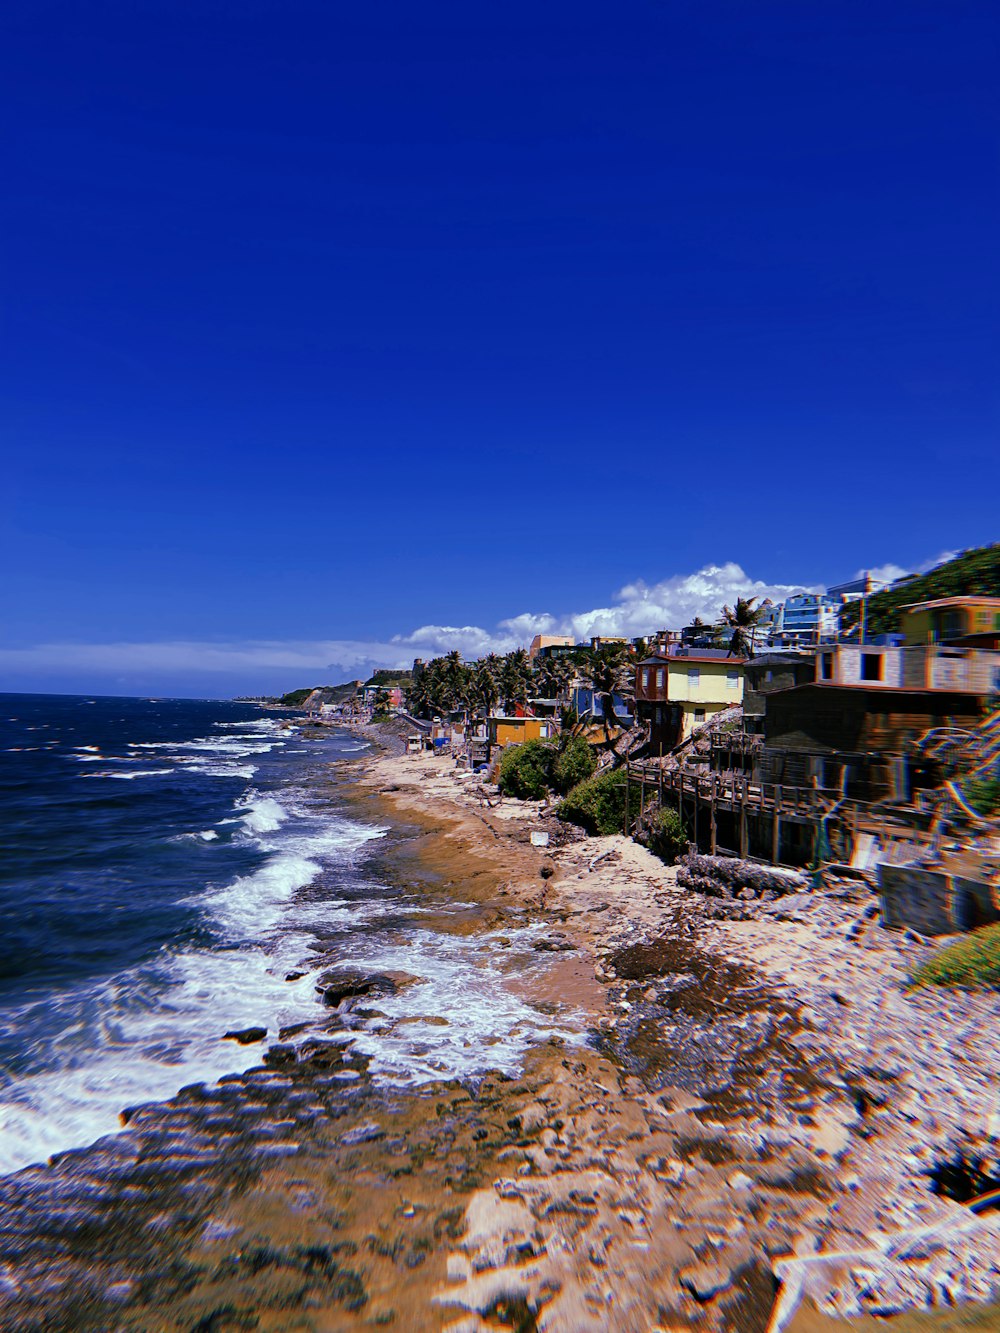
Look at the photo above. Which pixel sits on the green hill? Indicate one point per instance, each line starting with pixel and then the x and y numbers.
pixel 974 573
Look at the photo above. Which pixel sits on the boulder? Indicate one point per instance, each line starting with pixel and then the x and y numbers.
pixel 245 1036
pixel 338 986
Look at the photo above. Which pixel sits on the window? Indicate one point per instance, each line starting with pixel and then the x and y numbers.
pixel 826 666
pixel 659 678
pixel 769 675
pixel 699 716
pixel 694 677
pixel 871 666
pixel 645 678
pixel 732 680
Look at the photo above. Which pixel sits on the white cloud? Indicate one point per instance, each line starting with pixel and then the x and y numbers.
pixel 638 608
pixel 470 640
pixel 194 657
pixel 883 574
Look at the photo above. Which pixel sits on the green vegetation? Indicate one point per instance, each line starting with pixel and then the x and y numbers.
pixel 573 765
pixel 665 835
pixel 597 805
pixel 386 677
pixel 974 573
pixel 973 960
pixel 296 698
pixel 526 770
pixel 983 794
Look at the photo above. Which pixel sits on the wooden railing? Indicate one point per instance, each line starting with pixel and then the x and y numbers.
pixel 705 795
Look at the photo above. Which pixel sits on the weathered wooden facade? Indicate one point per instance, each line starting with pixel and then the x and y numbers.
pixel 854 739
pixel 768 673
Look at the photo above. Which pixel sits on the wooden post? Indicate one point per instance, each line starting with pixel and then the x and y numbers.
pixel 776 828
pixel 711 827
pixel 743 818
pixel 697 802
pixel 627 768
pixel 642 791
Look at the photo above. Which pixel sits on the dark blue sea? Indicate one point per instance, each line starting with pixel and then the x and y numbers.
pixel 166 865
pixel 152 851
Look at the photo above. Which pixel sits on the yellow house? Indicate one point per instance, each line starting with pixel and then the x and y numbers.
pixel 972 621
pixel 514 730
pixel 675 694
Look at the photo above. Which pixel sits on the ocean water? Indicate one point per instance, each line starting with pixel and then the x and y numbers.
pixel 166 864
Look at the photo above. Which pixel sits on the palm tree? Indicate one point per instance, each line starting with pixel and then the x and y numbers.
pixel 608 671
pixel 552 676
pixel 485 685
pixel 740 623
pixel 456 679
pixel 515 672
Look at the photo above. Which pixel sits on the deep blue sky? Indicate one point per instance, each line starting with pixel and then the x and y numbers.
pixel 326 321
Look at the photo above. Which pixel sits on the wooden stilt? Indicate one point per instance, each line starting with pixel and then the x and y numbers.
pixel 712 827
pixel 776 828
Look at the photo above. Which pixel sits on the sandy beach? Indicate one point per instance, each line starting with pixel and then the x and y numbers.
pixel 723 1083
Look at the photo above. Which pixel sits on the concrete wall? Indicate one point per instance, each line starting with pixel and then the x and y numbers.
pixel 934 902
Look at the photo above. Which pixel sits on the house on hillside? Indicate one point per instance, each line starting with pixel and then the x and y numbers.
pixel 767 673
pixel 963 621
pixel 678 692
pixel 853 728
pixel 931 666
pixel 808 618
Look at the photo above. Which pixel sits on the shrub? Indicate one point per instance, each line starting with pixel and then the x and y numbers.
pixel 974 960
pixel 666 836
pixel 526 770
pixel 983 795
pixel 598 804
pixel 573 765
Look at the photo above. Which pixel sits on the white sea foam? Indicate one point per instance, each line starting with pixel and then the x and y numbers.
pixel 139 1038
pixel 130 777
pixel 261 814
pixel 488 1026
pixel 245 771
pixel 107 758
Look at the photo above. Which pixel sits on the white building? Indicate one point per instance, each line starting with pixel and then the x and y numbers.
pixel 809 618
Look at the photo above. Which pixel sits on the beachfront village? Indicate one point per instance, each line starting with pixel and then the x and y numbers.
pixel 856 728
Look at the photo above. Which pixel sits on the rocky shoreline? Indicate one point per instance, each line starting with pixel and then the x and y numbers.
pixel 751 1080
